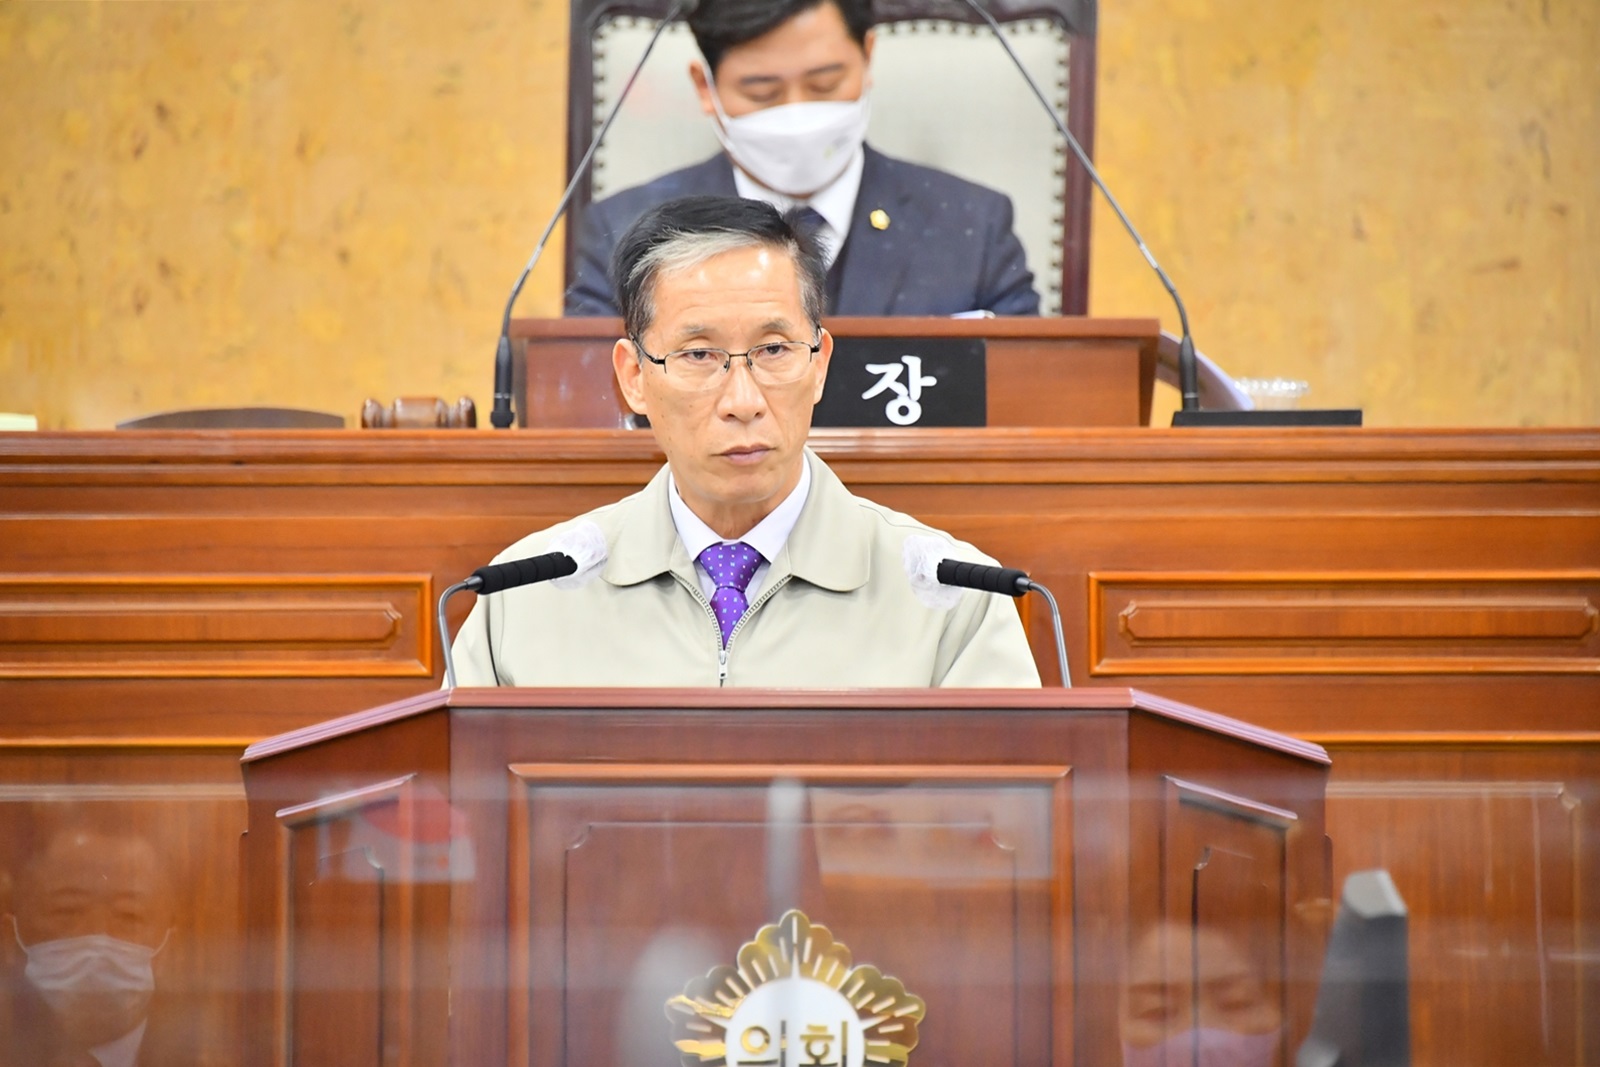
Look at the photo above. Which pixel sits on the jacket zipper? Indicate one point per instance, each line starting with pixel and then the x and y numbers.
pixel 766 595
pixel 716 627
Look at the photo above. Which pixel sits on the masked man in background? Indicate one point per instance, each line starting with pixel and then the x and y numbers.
pixel 785 84
pixel 90 915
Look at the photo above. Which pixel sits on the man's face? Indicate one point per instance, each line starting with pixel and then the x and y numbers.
pixel 86 884
pixel 736 448
pixel 810 57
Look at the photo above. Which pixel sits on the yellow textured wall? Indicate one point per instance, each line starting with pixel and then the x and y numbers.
pixel 307 202
pixel 1395 200
pixel 300 202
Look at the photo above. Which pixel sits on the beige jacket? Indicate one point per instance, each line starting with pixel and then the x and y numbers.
pixel 836 611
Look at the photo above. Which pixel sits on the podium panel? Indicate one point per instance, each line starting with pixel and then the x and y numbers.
pixel 632 876
pixel 940 875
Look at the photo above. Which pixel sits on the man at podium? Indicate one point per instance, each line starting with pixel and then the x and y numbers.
pixel 785 84
pixel 745 561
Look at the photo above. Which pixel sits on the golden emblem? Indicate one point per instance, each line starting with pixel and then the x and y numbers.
pixel 795 1000
pixel 879 219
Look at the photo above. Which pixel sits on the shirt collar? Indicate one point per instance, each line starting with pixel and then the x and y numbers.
pixel 835 202
pixel 767 537
pixel 124 1051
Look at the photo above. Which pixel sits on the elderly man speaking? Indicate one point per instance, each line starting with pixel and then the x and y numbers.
pixel 745 561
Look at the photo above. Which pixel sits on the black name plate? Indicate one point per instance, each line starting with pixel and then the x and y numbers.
pixel 905 381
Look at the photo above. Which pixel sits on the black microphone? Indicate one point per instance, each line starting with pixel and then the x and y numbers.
pixel 580 552
pixel 496 578
pixel 1188 377
pixel 1007 580
pixel 501 416
pixel 1010 582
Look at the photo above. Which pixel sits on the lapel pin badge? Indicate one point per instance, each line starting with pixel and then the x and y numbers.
pixel 879 219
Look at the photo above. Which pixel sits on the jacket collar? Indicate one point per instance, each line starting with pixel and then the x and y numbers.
pixel 827 548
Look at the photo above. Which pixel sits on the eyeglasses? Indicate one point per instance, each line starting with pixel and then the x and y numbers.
pixel 697 369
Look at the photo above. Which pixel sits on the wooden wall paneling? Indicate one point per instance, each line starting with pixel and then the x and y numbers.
pixel 1493 847
pixel 1377 507
pixel 1342 622
pixel 211 626
pixel 145 831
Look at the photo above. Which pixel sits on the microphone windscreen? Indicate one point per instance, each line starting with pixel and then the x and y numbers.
pixel 922 554
pixel 497 577
pixel 982 576
pixel 586 544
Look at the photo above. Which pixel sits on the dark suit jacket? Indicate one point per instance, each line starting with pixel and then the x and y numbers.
pixel 948 247
pixel 31 1035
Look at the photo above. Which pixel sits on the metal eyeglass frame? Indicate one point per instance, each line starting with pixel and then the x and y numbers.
pixel 727 364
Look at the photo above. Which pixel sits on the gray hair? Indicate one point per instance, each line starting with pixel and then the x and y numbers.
pixel 685 233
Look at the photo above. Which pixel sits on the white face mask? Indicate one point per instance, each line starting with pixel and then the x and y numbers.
pixel 1217 1048
pixel 97 974
pixel 795 149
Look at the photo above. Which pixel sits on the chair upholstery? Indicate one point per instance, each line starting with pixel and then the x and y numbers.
pixel 944 94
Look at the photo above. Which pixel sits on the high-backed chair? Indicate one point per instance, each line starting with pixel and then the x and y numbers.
pixel 944 94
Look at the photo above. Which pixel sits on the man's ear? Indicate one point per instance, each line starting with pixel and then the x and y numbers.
pixel 825 339
pixel 626 363
pixel 702 85
pixel 867 42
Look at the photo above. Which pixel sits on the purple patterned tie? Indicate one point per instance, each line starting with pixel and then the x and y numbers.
pixel 731 567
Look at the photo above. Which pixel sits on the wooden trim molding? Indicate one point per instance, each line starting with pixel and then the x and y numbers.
pixel 682 774
pixel 215 626
pixel 1467 622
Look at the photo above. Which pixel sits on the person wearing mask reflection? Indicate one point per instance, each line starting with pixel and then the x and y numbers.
pixel 1195 997
pixel 786 85
pixel 90 915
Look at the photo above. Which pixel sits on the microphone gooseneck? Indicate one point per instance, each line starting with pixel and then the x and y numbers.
pixel 501 415
pixel 495 578
pixel 1188 374
pixel 577 554
pixel 1010 582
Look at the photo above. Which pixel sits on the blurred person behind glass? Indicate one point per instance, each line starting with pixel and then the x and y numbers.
pixel 1195 999
pixel 89 917
pixel 786 86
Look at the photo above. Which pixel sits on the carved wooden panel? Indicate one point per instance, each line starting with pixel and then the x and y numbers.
pixel 355 956
pixel 1150 623
pixel 1216 961
pixel 214 626
pixel 947 878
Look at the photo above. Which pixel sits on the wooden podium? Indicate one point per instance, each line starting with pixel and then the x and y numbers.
pixel 1040 371
pixel 520 877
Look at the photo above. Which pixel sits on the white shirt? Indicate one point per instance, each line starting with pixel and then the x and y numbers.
pixel 124 1051
pixel 767 537
pixel 835 202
